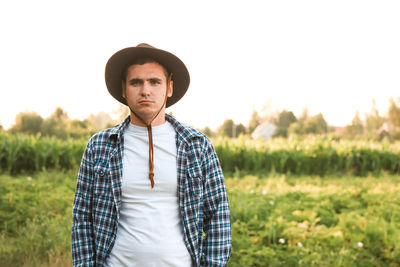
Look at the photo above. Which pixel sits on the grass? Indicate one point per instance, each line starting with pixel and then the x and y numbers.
pixel 312 221
pixel 35 219
pixel 276 221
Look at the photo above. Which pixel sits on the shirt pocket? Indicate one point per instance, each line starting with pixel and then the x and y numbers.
pixel 194 203
pixel 195 182
pixel 102 184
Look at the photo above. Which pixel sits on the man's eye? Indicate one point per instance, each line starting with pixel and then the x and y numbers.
pixel 154 82
pixel 135 82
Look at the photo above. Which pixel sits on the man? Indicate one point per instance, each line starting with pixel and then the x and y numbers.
pixel 150 191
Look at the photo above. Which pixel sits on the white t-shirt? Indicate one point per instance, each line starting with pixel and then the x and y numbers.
pixel 150 231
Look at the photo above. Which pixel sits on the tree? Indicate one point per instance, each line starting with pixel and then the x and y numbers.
pixel 355 128
pixel 28 123
pixel 255 120
pixel 240 129
pixel 80 128
pixel 373 121
pixel 121 112
pixel 100 120
pixel 227 128
pixel 304 115
pixel 285 118
pixel 208 132
pixel 394 119
pixel 394 113
pixel 56 124
pixel 295 128
pixel 316 125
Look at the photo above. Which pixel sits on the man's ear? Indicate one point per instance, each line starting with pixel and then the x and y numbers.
pixel 123 89
pixel 170 88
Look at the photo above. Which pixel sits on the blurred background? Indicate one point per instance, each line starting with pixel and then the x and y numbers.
pixel 334 58
pixel 301 100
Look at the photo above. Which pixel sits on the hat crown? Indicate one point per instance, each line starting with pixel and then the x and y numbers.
pixel 145 45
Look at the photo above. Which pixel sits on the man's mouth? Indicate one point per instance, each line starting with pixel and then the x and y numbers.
pixel 145 102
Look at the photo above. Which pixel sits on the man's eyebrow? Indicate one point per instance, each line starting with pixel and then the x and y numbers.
pixel 154 79
pixel 135 80
pixel 148 79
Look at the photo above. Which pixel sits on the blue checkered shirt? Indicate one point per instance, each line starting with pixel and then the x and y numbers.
pixel 203 200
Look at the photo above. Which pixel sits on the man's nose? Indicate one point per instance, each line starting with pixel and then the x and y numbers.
pixel 146 89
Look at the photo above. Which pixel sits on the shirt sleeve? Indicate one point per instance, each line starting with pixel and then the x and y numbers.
pixel 83 250
pixel 217 240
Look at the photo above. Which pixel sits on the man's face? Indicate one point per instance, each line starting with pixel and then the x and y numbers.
pixel 144 90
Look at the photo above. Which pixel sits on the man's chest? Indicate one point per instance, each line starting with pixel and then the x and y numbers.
pixel 135 173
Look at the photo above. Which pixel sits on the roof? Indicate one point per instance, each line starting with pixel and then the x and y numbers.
pixel 265 131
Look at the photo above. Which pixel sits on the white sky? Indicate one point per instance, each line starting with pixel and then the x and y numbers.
pixel 332 56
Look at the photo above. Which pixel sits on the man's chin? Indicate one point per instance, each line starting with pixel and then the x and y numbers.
pixel 146 113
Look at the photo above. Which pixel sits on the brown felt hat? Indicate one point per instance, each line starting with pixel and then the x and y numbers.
pixel 123 58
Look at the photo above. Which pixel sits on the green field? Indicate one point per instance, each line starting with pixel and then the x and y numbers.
pixel 276 221
pixel 308 156
pixel 312 221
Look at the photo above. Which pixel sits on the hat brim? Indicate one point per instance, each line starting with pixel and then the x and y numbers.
pixel 121 59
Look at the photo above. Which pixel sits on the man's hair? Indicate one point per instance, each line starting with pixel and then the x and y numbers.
pixel 142 61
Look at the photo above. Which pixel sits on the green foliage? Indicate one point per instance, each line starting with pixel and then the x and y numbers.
pixel 35 218
pixel 208 132
pixel 230 129
pixel 276 220
pixel 59 125
pixel 226 129
pixel 310 156
pixel 254 121
pixel 310 221
pixel 240 130
pixel 373 122
pixel 308 125
pixel 315 125
pixel 394 119
pixel 56 124
pixel 26 154
pixel 356 127
pixel 285 119
pixel 28 123
pixel 296 129
pixel 394 113
pixel 80 129
pixel 101 120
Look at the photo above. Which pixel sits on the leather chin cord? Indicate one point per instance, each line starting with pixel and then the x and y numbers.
pixel 150 133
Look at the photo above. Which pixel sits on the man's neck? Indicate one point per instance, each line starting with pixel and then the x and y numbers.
pixel 160 119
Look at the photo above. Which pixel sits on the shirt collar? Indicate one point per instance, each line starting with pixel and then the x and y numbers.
pixel 183 132
pixel 117 130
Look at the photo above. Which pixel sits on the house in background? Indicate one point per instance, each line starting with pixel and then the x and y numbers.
pixel 264 131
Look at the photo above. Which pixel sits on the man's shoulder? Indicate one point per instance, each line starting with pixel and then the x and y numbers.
pixel 108 135
pixel 103 135
pixel 185 132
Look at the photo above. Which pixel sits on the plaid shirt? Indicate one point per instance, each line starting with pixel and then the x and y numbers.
pixel 203 200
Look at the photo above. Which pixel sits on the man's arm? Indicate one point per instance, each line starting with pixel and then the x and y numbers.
pixel 217 241
pixel 83 250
